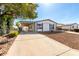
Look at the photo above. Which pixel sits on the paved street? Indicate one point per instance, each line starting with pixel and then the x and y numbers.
pixel 35 44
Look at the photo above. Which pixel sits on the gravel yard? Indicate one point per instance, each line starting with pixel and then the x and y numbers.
pixel 5 45
pixel 71 40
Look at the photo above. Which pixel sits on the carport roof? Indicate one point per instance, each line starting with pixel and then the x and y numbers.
pixel 26 21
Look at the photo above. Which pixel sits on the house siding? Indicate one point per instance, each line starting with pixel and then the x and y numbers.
pixel 45 26
pixel 41 26
pixel 71 27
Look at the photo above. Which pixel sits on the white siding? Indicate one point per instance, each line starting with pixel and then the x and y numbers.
pixel 78 26
pixel 75 26
pixel 70 27
pixel 36 27
pixel 66 27
pixel 39 30
pixel 45 25
pixel 50 22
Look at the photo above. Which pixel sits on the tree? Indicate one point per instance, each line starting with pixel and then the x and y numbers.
pixel 16 10
pixel 19 26
pixel 25 10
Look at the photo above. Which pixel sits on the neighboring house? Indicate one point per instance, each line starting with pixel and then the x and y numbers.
pixel 78 26
pixel 59 26
pixel 46 25
pixel 70 26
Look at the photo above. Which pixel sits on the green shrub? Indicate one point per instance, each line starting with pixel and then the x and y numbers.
pixel 76 30
pixel 13 34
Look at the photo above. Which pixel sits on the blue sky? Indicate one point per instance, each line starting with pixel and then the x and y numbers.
pixel 60 12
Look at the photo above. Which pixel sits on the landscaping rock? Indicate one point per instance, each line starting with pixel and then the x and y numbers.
pixel 4 47
pixel 3 40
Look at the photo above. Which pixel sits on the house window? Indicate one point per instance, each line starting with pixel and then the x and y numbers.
pixel 39 26
pixel 72 26
pixel 51 26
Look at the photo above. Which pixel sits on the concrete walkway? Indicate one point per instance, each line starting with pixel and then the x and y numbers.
pixel 34 44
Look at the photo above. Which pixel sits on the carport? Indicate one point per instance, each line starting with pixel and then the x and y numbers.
pixel 27 26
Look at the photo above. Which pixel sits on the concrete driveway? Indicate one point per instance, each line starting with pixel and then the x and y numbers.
pixel 35 44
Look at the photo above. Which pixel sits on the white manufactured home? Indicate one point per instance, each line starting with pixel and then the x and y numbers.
pixel 70 26
pixel 39 26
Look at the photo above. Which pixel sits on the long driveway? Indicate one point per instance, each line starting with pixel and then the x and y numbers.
pixel 35 44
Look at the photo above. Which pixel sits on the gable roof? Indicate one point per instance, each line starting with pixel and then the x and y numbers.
pixel 70 24
pixel 27 21
pixel 37 21
pixel 47 20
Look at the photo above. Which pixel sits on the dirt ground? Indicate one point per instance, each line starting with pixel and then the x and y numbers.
pixel 71 40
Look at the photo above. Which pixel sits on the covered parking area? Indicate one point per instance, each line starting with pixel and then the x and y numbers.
pixel 27 26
